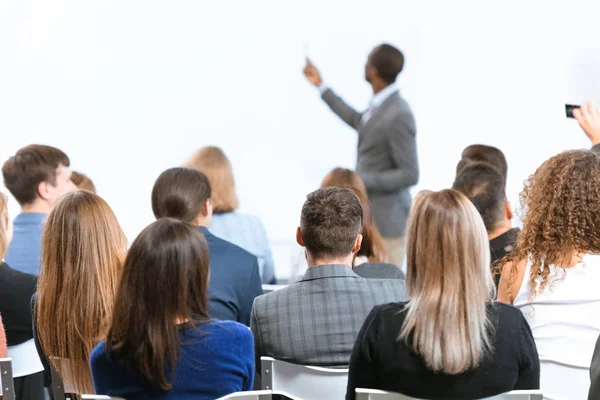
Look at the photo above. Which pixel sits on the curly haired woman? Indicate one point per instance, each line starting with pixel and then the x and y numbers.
pixel 553 275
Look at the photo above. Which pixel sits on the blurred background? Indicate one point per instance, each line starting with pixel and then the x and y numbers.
pixel 128 89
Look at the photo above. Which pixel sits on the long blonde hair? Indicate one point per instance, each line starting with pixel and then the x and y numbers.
pixel 83 248
pixel 213 163
pixel 4 225
pixel 449 282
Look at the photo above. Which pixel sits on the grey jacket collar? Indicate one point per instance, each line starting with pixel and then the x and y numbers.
pixel 328 271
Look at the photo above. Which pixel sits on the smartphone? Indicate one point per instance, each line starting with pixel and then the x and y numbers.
pixel 569 110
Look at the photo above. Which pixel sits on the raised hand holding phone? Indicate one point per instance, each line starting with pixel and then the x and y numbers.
pixel 588 117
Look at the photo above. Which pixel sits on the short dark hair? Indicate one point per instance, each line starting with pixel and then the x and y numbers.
pixel 29 167
pixel 485 186
pixel 331 220
pixel 180 193
pixel 483 153
pixel 388 61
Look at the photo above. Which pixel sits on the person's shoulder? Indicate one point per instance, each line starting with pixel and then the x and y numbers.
pixel 232 249
pixel 390 308
pixel 507 312
pixel 98 352
pixel 226 329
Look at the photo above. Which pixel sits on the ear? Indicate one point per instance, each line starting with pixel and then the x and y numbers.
pixel 508 210
pixel 299 238
pixel 357 244
pixel 207 208
pixel 43 190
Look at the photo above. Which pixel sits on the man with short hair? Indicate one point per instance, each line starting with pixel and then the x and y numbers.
pixel 387 149
pixel 36 176
pixel 483 153
pixel 485 186
pixel 315 321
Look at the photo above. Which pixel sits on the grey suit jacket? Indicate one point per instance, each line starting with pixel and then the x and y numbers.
pixel 315 321
pixel 387 158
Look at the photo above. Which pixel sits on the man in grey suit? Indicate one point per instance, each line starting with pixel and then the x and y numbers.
pixel 315 321
pixel 387 151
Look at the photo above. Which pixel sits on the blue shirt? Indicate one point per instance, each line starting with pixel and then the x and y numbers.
pixel 234 280
pixel 215 360
pixel 249 233
pixel 23 253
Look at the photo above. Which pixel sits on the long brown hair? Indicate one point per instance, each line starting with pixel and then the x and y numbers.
pixel 4 225
pixel 213 162
pixel 164 281
pixel 373 246
pixel 449 282
pixel 561 205
pixel 82 253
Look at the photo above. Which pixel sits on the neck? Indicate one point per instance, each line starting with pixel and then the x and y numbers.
pixel 378 86
pixel 36 207
pixel 203 221
pixel 499 231
pixel 316 261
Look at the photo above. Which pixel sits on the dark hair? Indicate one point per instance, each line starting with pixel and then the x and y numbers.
pixel 331 220
pixel 29 167
pixel 180 193
pixel 485 186
pixel 165 279
pixel 483 153
pixel 388 61
pixel 82 181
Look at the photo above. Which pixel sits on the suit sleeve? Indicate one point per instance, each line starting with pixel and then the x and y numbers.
pixel 257 346
pixel 402 150
pixel 254 290
pixel 529 363
pixel 348 114
pixel 362 371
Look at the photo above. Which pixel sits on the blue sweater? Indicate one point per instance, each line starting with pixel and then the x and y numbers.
pixel 214 362
pixel 23 253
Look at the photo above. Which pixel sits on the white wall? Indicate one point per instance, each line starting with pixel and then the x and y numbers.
pixel 128 89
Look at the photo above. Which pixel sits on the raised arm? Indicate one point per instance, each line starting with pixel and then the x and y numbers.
pixel 348 114
pixel 588 117
pixel 402 149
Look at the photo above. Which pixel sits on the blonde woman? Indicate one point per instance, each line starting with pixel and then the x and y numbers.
pixel 83 248
pixel 244 230
pixel 450 340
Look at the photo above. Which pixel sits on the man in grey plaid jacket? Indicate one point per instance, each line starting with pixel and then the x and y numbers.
pixel 316 320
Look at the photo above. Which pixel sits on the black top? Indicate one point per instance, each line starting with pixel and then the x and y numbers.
pixel 378 271
pixel 502 246
pixel 17 289
pixel 381 361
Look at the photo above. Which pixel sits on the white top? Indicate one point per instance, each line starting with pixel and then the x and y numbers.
pixel 565 322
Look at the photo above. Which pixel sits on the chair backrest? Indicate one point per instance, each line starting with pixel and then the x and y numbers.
pixel 99 397
pixel 6 376
pixel 25 359
pixel 61 387
pixel 254 395
pixel 371 394
pixel 301 381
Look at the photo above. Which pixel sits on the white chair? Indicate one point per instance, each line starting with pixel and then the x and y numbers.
pixel 26 360
pixel 98 397
pixel 371 394
pixel 253 395
pixel 300 382
pixel 6 375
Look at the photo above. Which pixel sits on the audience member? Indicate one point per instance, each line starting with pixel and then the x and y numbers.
pixel 315 321
pixel 82 257
pixel 553 274
pixel 3 346
pixel 15 297
pixel 83 181
pixel 162 343
pixel 185 194
pixel 345 177
pixel 450 340
pixel 36 176
pixel 485 186
pixel 483 153
pixel 243 230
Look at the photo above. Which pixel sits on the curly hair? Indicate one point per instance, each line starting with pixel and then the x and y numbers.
pixel 560 203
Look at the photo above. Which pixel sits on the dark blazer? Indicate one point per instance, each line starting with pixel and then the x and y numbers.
pixel 315 320
pixel 234 280
pixel 15 297
pixel 386 157
pixel 381 361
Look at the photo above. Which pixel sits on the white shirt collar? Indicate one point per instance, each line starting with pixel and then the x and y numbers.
pixel 382 96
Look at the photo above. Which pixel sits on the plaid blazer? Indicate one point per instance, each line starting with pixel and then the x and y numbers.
pixel 316 320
